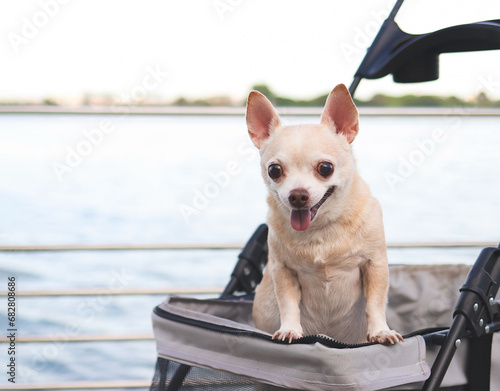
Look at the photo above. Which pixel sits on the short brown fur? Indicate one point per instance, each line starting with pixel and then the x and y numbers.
pixel 327 271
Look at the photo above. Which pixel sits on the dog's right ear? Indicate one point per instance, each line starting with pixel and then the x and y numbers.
pixel 261 118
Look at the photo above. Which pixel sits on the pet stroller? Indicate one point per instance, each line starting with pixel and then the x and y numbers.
pixel 448 313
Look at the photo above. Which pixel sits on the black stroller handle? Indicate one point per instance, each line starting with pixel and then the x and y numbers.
pixel 414 58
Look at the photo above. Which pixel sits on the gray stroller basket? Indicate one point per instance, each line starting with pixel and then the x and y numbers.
pixel 214 345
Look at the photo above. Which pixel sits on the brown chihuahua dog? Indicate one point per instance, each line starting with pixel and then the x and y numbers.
pixel 327 271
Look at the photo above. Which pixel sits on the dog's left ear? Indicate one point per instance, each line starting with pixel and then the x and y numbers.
pixel 340 113
pixel 261 117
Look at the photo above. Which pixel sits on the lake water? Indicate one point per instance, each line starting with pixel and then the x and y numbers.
pixel 142 179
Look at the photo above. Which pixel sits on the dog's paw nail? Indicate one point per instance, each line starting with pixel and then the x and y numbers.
pixel 287 335
pixel 386 337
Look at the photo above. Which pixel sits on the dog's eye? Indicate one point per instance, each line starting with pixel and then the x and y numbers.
pixel 274 171
pixel 325 169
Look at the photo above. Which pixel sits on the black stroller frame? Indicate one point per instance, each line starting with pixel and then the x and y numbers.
pixel 412 58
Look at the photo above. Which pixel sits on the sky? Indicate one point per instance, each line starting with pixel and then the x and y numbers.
pixel 133 49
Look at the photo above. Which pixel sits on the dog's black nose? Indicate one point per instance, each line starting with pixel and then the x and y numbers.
pixel 298 198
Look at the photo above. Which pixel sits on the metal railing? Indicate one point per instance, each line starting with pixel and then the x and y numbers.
pixel 83 385
pixel 214 246
pixel 123 292
pixel 238 111
pixel 140 384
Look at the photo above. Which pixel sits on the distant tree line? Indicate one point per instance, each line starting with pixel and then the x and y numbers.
pixel 381 100
pixel 378 100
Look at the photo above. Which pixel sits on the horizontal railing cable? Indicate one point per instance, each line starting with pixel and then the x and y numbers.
pixel 120 384
pixel 82 338
pixel 82 385
pixel 122 247
pixel 120 292
pixel 240 111
pixel 216 246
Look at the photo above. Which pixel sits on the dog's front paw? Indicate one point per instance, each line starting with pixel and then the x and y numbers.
pixel 286 333
pixel 386 337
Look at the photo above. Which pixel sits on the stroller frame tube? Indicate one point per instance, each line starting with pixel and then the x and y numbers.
pixel 446 353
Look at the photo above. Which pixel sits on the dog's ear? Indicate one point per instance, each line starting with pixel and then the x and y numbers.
pixel 261 118
pixel 340 113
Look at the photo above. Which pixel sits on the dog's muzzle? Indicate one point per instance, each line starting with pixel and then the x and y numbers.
pixel 300 219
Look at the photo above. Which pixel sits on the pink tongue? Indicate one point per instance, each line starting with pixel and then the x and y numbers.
pixel 300 219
